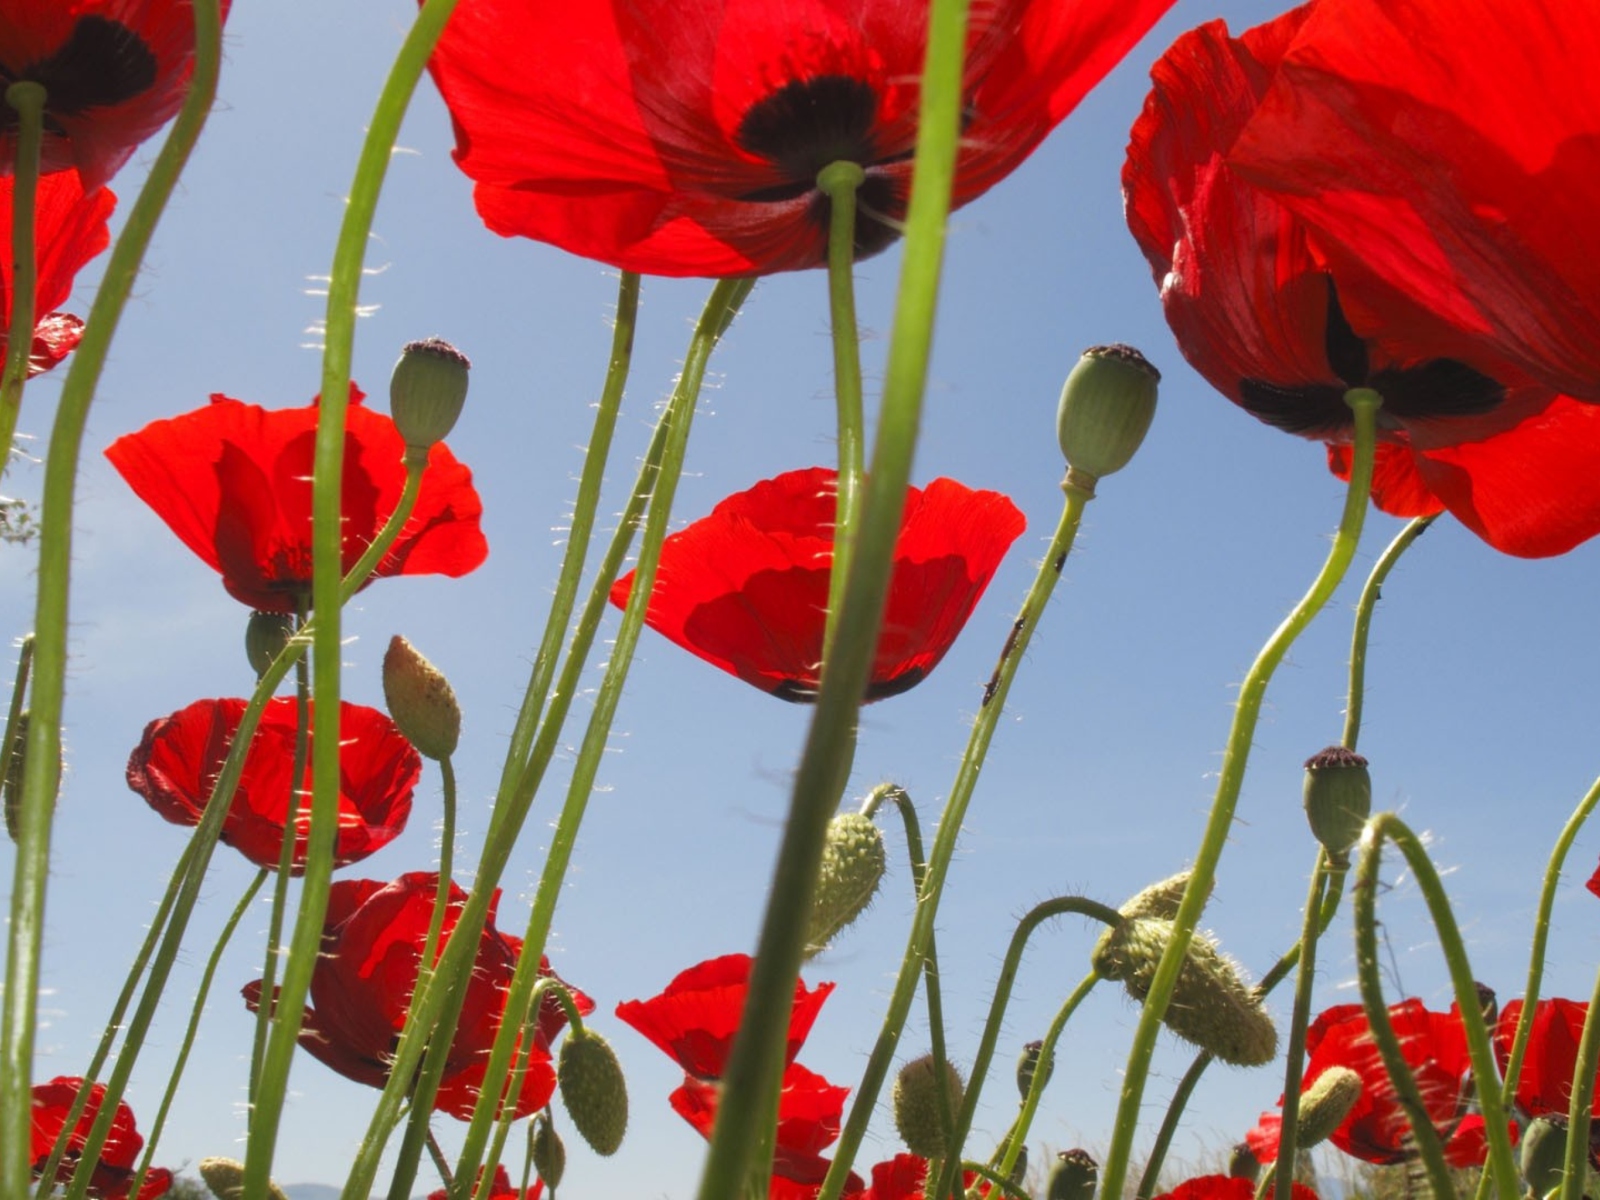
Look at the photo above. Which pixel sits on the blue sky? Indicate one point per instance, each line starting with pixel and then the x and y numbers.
pixel 1484 689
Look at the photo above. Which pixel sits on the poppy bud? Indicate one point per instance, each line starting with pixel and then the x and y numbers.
pixel 266 634
pixel 1106 408
pixel 1544 1154
pixel 1074 1176
pixel 853 862
pixel 426 393
pixel 1243 1163
pixel 11 780
pixel 1159 900
pixel 1325 1104
pixel 548 1153
pixel 1019 1169
pixel 593 1089
pixel 916 1104
pixel 421 701
pixel 1210 1006
pixel 225 1178
pixel 1028 1066
pixel 1338 797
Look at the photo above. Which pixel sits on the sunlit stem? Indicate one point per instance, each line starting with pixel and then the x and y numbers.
pixel 944 844
pixel 529 1026
pixel 1047 1053
pixel 1364 404
pixel 27 99
pixel 1370 595
pixel 41 773
pixel 1575 1167
pixel 1485 1073
pixel 999 1183
pixel 839 181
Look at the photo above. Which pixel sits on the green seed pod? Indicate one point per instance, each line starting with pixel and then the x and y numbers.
pixel 593 1090
pixel 853 863
pixel 1243 1163
pixel 225 1178
pixel 420 700
pixel 1544 1154
pixel 548 1152
pixel 1106 408
pixel 916 1105
pixel 426 393
pixel 1075 1176
pixel 1338 797
pixel 1325 1104
pixel 1028 1063
pixel 265 636
pixel 1159 900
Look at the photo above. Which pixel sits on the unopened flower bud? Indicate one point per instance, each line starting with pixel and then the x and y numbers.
pixel 548 1152
pixel 1210 1006
pixel 225 1178
pixel 1107 405
pixel 593 1090
pixel 1075 1176
pixel 1544 1154
pixel 421 701
pixel 1159 900
pixel 1028 1063
pixel 1338 796
pixel 16 761
pixel 1243 1163
pixel 917 1105
pixel 427 392
pixel 1019 1169
pixel 1325 1104
pixel 853 863
pixel 266 634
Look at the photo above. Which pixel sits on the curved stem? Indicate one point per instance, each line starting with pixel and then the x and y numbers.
pixel 1364 405
pixel 1295 1056
pixel 1370 595
pixel 27 99
pixel 1047 1054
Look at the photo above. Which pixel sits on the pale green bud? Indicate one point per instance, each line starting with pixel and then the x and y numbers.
pixel 917 1106
pixel 1106 408
pixel 427 393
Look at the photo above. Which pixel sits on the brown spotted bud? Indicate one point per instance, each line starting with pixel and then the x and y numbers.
pixel 593 1090
pixel 1243 1163
pixel 547 1151
pixel 266 634
pixel 426 393
pixel 1325 1104
pixel 1338 797
pixel 1106 408
pixel 853 863
pixel 420 700
pixel 225 1178
pixel 918 1107
pixel 1028 1064
pixel 1075 1176
pixel 1211 1005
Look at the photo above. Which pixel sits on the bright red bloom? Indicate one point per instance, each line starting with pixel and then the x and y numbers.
pixel 693 1021
pixel 176 764
pixel 1282 328
pixel 233 481
pixel 1544 1086
pixel 500 1188
pixel 809 1113
pixel 905 1177
pixel 746 588
pixel 1457 151
pixel 372 939
pixel 1226 1187
pixel 69 230
pixel 684 137
pixel 114 72
pixel 119 1157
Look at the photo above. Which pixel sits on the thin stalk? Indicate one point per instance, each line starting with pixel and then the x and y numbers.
pixel 1370 595
pixel 1047 1054
pixel 1295 1056
pixel 1364 404
pixel 1575 1168
pixel 41 773
pixel 27 99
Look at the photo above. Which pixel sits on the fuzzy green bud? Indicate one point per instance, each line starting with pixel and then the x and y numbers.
pixel 1325 1104
pixel 1159 900
pixel 426 393
pixel 917 1105
pixel 548 1152
pixel 420 700
pixel 593 1090
pixel 1338 797
pixel 225 1178
pixel 1211 1004
pixel 853 863
pixel 1075 1176
pixel 1106 408
pixel 266 635
pixel 1544 1154
pixel 1028 1064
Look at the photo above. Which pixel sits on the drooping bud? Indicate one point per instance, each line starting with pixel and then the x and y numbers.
pixel 917 1105
pixel 1075 1176
pixel 1211 1005
pixel 426 393
pixel 1106 408
pixel 1325 1104
pixel 225 1178
pixel 266 634
pixel 1243 1163
pixel 593 1090
pixel 548 1152
pixel 420 700
pixel 1338 796
pixel 853 863
pixel 1028 1063
pixel 1159 900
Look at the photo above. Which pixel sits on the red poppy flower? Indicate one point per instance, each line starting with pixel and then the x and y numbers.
pixel 372 939
pixel 114 72
pixel 684 137
pixel 905 1177
pixel 500 1188
pixel 1281 328
pixel 746 588
pixel 233 481
pixel 693 1021
pixel 176 764
pixel 809 1112
pixel 1226 1187
pixel 114 1172
pixel 1544 1087
pixel 1459 154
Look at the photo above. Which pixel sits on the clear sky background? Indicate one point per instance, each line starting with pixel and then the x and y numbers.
pixel 1484 686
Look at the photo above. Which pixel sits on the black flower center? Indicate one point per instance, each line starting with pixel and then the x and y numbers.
pixel 1440 387
pixel 102 63
pixel 807 124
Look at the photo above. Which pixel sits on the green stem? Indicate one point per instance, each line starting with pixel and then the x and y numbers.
pixel 1370 595
pixel 27 99
pixel 19 1015
pixel 530 1026
pixel 1581 1105
pixel 1295 1057
pixel 1485 1074
pixel 1047 1054
pixel 1000 1184
pixel 1364 404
